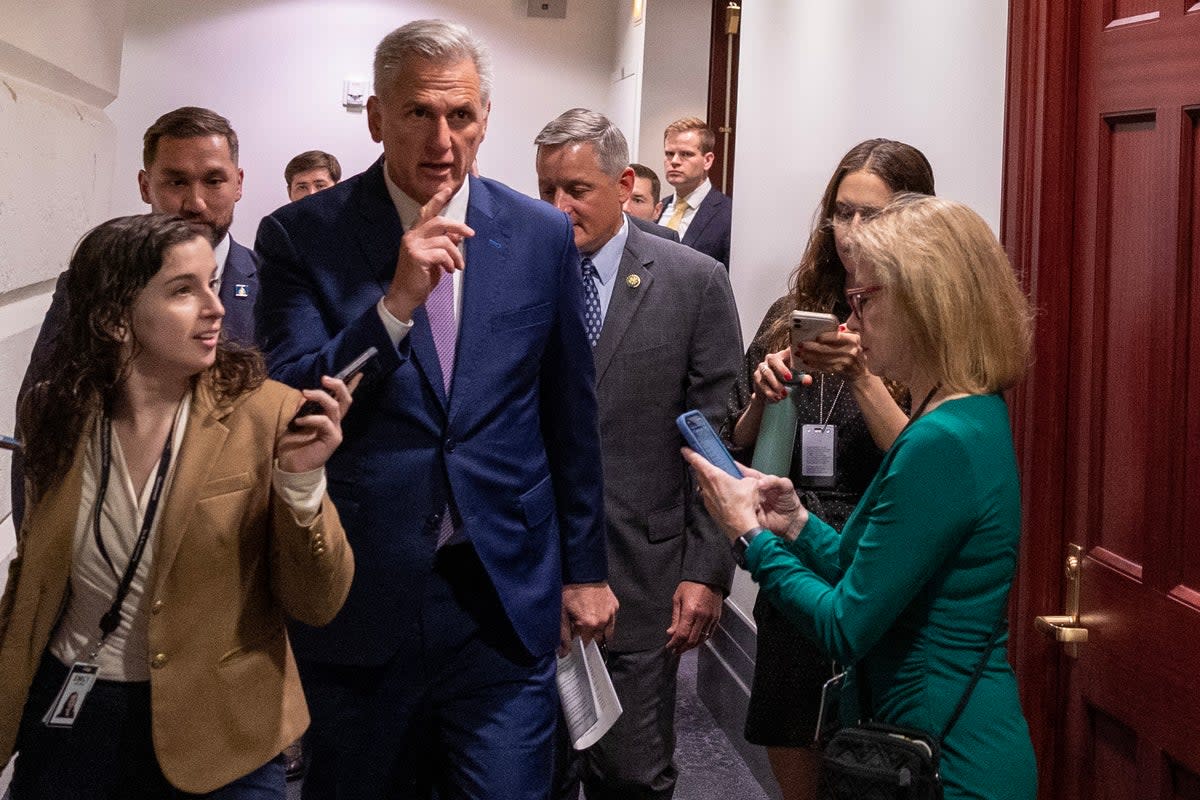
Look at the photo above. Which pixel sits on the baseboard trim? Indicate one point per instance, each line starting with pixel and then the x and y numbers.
pixel 725 669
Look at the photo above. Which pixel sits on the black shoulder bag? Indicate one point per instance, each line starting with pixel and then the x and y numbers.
pixel 875 761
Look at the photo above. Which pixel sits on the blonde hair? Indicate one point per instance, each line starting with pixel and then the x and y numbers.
pixel 708 139
pixel 969 322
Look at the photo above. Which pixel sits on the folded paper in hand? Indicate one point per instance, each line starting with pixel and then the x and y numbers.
pixel 589 702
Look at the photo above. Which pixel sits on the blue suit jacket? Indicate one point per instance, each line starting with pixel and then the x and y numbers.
pixel 239 288
pixel 709 229
pixel 515 447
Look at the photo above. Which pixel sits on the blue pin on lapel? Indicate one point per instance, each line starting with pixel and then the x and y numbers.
pixel 241 290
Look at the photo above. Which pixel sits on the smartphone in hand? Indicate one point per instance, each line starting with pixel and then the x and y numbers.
pixel 806 326
pixel 700 436
pixel 345 374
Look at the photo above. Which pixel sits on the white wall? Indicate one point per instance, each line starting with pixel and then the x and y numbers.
pixel 674 73
pixel 276 71
pixel 816 78
pixel 59 66
pixel 625 100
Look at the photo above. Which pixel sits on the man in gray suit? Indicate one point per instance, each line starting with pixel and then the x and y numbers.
pixel 666 339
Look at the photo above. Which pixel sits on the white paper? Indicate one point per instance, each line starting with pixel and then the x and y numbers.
pixel 589 701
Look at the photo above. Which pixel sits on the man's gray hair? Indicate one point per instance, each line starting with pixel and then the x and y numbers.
pixel 581 125
pixel 436 40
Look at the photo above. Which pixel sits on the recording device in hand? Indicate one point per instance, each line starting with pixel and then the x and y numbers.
pixel 700 436
pixel 345 374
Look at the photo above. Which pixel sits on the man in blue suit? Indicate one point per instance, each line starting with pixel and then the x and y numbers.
pixel 699 212
pixel 469 478
pixel 190 168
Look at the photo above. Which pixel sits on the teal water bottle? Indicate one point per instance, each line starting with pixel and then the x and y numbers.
pixel 777 435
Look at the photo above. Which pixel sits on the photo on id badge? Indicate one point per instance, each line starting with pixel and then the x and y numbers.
pixel 69 700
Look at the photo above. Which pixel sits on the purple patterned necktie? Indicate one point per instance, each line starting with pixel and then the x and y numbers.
pixel 440 308
pixel 592 319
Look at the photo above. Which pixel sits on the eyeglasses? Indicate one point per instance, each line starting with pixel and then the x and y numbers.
pixel 844 213
pixel 857 298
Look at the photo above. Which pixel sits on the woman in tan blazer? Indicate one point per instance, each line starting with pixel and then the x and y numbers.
pixel 174 522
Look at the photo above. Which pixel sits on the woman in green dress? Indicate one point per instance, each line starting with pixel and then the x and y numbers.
pixel 912 589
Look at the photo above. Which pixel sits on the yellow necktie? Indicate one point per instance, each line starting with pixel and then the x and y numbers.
pixel 681 208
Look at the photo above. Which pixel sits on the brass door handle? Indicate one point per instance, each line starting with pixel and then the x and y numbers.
pixel 1062 627
pixel 1065 628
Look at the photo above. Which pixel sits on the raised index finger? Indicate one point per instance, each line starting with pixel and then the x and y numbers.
pixel 436 205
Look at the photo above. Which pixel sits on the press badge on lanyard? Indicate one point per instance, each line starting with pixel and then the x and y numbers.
pixel 818 445
pixel 818 454
pixel 82 676
pixel 74 691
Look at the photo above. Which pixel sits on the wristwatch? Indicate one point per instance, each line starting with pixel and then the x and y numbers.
pixel 742 542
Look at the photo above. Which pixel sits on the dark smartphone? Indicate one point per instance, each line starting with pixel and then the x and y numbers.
pixel 704 440
pixel 345 374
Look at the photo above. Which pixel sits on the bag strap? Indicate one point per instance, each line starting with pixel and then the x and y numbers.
pixel 866 710
pixel 1001 624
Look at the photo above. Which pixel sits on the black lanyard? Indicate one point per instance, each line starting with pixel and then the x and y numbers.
pixel 921 408
pixel 112 618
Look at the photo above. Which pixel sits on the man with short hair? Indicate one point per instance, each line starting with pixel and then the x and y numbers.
pixel 644 201
pixel 190 168
pixel 469 478
pixel 666 339
pixel 310 172
pixel 698 211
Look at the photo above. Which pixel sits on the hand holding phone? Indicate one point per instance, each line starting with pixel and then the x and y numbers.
pixel 700 436
pixel 345 374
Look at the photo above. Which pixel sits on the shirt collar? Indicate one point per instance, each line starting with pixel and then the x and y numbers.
pixel 698 194
pixel 221 254
pixel 409 209
pixel 607 260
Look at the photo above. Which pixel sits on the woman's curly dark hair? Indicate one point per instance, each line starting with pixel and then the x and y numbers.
pixel 818 283
pixel 110 267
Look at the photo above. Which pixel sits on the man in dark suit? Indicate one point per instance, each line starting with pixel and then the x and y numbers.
pixel 702 215
pixel 190 168
pixel 666 339
pixel 469 477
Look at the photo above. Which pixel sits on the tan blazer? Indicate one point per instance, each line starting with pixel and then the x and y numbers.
pixel 230 564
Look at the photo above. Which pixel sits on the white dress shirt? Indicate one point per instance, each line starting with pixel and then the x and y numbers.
pixel 693 200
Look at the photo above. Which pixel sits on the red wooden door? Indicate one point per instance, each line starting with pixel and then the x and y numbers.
pixel 1102 205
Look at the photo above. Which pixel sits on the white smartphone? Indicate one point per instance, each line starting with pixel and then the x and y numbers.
pixel 808 325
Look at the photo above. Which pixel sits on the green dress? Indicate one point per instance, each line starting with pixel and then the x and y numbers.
pixel 913 587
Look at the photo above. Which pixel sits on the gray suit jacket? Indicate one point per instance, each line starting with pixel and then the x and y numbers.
pixel 670 342
pixel 654 228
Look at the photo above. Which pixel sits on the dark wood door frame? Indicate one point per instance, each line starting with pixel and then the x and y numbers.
pixel 719 55
pixel 1036 224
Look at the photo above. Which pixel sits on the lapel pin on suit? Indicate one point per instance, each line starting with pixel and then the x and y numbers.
pixel 241 290
pixel 633 281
